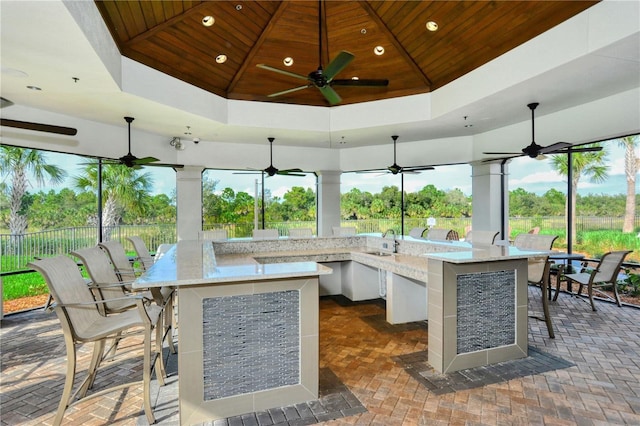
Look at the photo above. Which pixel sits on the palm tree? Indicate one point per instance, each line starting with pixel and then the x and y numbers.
pixel 122 188
pixel 631 164
pixel 588 164
pixel 18 163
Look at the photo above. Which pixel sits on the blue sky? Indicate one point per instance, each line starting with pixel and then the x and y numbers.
pixel 532 175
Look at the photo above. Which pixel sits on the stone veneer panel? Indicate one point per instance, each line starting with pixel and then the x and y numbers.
pixel 486 310
pixel 250 343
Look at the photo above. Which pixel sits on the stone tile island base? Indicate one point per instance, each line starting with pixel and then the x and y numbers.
pixel 477 313
pixel 250 346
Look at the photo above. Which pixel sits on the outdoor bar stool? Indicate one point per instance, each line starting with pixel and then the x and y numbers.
pixel 343 231
pixel 83 323
pixel 265 234
pixel 538 275
pixel 142 252
pixel 120 261
pixel 214 234
pixel 300 233
pixel 126 272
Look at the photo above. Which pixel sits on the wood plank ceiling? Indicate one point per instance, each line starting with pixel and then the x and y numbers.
pixel 170 37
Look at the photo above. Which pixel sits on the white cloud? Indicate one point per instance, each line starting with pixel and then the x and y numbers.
pixel 537 178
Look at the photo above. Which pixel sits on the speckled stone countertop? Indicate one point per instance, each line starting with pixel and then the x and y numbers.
pixel 363 248
pixel 193 262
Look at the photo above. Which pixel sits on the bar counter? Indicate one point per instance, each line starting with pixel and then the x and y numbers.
pixel 248 331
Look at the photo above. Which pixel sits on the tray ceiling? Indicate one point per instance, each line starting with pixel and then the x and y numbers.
pixel 170 37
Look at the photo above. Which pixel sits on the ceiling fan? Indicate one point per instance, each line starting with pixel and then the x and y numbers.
pixel 131 160
pixel 395 168
pixel 271 170
pixel 39 127
pixel 533 150
pixel 323 79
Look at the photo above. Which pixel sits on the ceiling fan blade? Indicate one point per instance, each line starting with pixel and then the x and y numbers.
pixel 502 153
pixel 284 92
pixel 585 149
pixel 290 172
pixel 290 74
pixel 5 102
pixel 361 82
pixel 486 160
pixel 554 147
pixel 330 95
pixel 145 160
pixel 173 166
pixel 339 63
pixel 417 168
pixel 39 127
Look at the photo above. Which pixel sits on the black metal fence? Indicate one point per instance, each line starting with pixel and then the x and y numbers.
pixel 18 250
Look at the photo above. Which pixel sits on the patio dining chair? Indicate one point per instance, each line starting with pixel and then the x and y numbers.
pixel 604 275
pixel 142 252
pixel 83 323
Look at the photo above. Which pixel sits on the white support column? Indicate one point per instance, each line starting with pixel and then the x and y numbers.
pixel 328 208
pixel 490 197
pixel 189 202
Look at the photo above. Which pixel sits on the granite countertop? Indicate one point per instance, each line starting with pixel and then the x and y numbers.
pixel 193 262
pixel 485 253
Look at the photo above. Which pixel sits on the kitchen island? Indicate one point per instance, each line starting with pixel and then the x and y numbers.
pixel 474 296
pixel 248 331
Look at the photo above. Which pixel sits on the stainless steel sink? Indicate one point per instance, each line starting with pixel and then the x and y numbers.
pixel 379 253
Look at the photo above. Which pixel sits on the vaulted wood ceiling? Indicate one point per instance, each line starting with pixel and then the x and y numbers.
pixel 170 37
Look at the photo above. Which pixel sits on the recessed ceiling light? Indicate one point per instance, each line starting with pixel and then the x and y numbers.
pixel 288 61
pixel 355 77
pixel 208 21
pixel 221 59
pixel 33 88
pixel 378 50
pixel 238 7
pixel 432 26
pixel 363 31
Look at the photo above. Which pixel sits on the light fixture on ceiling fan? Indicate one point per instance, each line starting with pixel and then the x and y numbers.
pixel 323 78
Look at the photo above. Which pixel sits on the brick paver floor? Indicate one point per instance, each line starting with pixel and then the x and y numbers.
pixel 372 373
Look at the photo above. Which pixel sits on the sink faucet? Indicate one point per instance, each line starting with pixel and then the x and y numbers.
pixel 396 243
